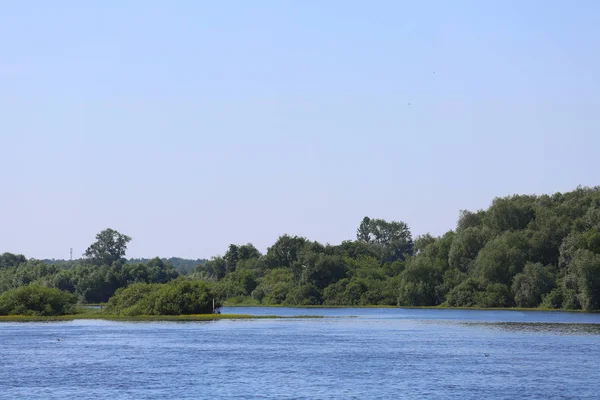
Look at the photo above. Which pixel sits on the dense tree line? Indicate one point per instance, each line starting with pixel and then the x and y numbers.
pixel 182 265
pixel 93 279
pixel 524 250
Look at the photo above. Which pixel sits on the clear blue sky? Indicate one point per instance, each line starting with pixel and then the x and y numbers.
pixel 192 125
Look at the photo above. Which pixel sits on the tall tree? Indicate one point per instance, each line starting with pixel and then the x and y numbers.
pixel 110 246
pixel 285 251
pixel 11 260
pixel 363 233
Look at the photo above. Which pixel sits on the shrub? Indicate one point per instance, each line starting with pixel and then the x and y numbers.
pixel 36 300
pixel 175 298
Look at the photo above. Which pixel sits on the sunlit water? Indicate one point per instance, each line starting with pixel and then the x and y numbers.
pixel 360 354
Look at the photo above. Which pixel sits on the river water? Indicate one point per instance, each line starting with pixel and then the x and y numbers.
pixel 354 354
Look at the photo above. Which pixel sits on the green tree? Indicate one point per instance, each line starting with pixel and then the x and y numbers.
pixel 495 295
pixel 11 260
pixel 502 257
pixel 468 219
pixel 532 284
pixel 418 283
pixel 304 295
pixel 110 246
pixel 216 267
pixel 231 258
pixel 285 251
pixel 510 213
pixel 465 247
pixel 363 233
pixel 585 273
pixel 323 270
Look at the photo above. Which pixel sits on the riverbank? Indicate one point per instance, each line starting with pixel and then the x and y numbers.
pixel 95 313
pixel 198 317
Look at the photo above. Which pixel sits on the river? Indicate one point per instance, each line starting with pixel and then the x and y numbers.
pixel 353 354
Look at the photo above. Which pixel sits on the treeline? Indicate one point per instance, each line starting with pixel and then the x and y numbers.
pixel 525 251
pixel 183 265
pixel 88 282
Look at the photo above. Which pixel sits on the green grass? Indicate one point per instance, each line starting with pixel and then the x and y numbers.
pixel 90 313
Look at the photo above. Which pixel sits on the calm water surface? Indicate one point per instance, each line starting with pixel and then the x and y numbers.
pixel 361 354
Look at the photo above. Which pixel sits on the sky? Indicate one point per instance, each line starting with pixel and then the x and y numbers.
pixel 191 125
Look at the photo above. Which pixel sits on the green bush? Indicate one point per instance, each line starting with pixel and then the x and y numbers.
pixel 175 298
pixel 466 294
pixel 554 299
pixel 305 295
pixel 36 300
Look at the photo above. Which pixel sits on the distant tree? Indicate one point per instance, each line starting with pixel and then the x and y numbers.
pixel 285 251
pixel 11 260
pixel 510 213
pixel 391 240
pixel 231 258
pixel 216 267
pixel 236 254
pixel 110 246
pixel 323 270
pixel 422 242
pixel 468 219
pixel 383 232
pixel 247 252
pixel 363 233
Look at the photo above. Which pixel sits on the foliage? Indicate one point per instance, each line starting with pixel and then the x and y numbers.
pixel 180 297
pixel 36 300
pixel 532 284
pixel 110 246
pixel 11 260
pixel 528 251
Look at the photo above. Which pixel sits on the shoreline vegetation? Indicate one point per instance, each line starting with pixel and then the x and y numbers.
pixel 85 312
pixel 524 252
pixel 147 318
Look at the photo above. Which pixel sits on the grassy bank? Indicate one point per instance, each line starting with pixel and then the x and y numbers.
pixel 197 317
pixel 95 313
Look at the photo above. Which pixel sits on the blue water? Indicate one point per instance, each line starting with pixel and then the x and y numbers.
pixel 361 354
